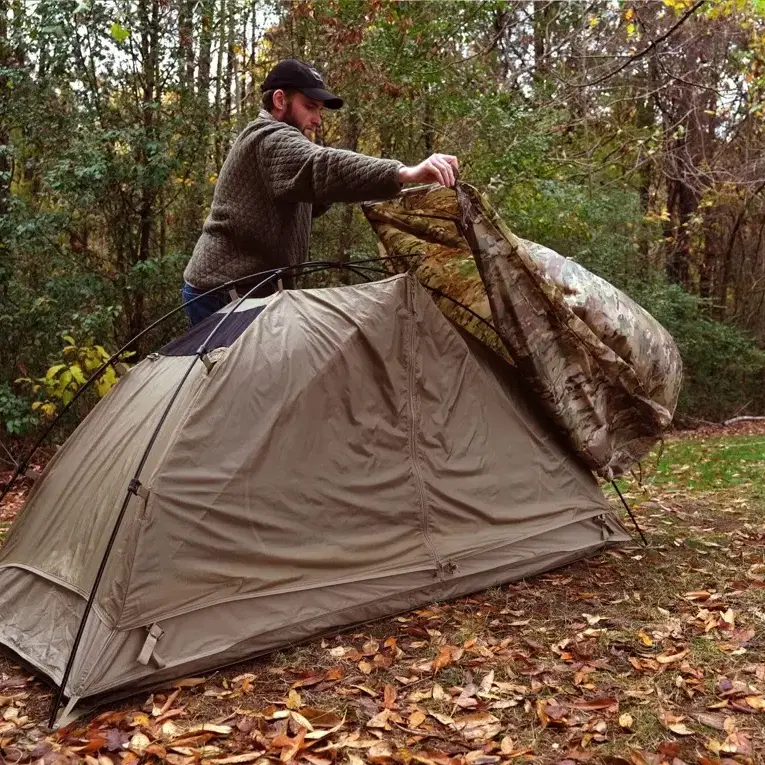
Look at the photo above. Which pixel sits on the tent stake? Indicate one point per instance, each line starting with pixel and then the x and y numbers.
pixel 627 508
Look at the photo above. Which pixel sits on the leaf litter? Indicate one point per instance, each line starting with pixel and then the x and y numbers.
pixel 634 656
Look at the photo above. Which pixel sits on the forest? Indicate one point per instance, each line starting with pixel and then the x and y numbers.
pixel 625 135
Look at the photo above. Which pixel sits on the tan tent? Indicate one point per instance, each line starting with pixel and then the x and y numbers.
pixel 344 454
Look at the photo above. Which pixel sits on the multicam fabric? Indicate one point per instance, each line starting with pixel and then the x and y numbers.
pixel 420 231
pixel 606 371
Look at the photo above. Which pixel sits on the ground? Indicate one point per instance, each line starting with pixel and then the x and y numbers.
pixel 638 655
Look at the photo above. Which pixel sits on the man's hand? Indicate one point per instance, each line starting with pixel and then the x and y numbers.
pixel 437 168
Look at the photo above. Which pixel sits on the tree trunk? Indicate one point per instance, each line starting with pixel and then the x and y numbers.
pixel 352 134
pixel 542 16
pixel 149 59
pixel 186 48
pixel 201 112
pixel 206 11
pixel 427 126
pixel 707 277
pixel 219 86
pixel 682 205
pixel 5 159
pixel 229 80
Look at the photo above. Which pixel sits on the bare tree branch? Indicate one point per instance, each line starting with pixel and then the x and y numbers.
pixel 660 39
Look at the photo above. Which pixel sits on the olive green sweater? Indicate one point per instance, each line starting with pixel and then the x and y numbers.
pixel 263 202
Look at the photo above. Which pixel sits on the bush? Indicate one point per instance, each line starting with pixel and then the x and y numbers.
pixel 724 369
pixel 16 417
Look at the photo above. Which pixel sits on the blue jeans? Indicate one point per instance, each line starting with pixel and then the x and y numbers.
pixel 200 309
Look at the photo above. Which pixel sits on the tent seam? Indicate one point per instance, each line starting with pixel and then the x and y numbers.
pixel 413 412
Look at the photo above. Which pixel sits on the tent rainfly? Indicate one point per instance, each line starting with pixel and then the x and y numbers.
pixel 343 454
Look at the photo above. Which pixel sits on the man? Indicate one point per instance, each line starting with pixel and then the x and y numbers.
pixel 275 179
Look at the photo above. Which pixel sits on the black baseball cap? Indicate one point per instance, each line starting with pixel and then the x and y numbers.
pixel 298 75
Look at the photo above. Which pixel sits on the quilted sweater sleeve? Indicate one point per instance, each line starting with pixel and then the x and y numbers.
pixel 301 171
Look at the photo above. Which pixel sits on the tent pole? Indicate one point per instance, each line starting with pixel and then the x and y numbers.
pixel 627 508
pixel 133 487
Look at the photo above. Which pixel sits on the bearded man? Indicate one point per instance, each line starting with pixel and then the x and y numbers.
pixel 276 179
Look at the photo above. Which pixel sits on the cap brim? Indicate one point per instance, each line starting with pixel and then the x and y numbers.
pixel 330 100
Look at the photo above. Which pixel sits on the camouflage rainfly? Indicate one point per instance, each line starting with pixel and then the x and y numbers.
pixel 606 371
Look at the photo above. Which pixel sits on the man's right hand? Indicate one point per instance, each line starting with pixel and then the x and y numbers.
pixel 437 168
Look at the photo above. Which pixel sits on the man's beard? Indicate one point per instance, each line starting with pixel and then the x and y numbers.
pixel 290 119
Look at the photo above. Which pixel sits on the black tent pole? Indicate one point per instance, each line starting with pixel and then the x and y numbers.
pixel 627 508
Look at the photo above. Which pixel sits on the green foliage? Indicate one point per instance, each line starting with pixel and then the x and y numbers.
pixel 62 380
pixel 602 229
pixel 724 369
pixel 115 137
pixel 16 417
pixel 606 231
pixel 119 33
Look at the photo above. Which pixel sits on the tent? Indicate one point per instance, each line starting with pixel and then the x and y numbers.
pixel 342 454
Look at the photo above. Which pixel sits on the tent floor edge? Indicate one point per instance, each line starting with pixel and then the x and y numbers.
pixel 338 622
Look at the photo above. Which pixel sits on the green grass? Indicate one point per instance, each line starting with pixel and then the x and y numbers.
pixel 708 464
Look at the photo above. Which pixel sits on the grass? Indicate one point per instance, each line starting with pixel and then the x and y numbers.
pixel 709 464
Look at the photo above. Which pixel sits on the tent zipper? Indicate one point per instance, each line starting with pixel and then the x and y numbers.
pixel 413 413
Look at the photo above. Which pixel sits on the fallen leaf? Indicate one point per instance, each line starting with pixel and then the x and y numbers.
pixel 481 726
pixel 665 658
pixel 443 659
pixel 669 749
pixel 443 719
pixel 626 721
pixel 380 720
pixel 116 739
pixel 681 729
pixel 289 746
pixel 710 719
pixel 317 734
pixel 755 702
pixel 550 712
pixel 300 721
pixel 319 718
pixel 138 743
pixel 380 752
pixel 293 700
pixel 314 760
pixel 366 667
pixel 698 595
pixel 189 682
pixel 603 703
pixel 222 730
pixel 645 639
pixel 487 683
